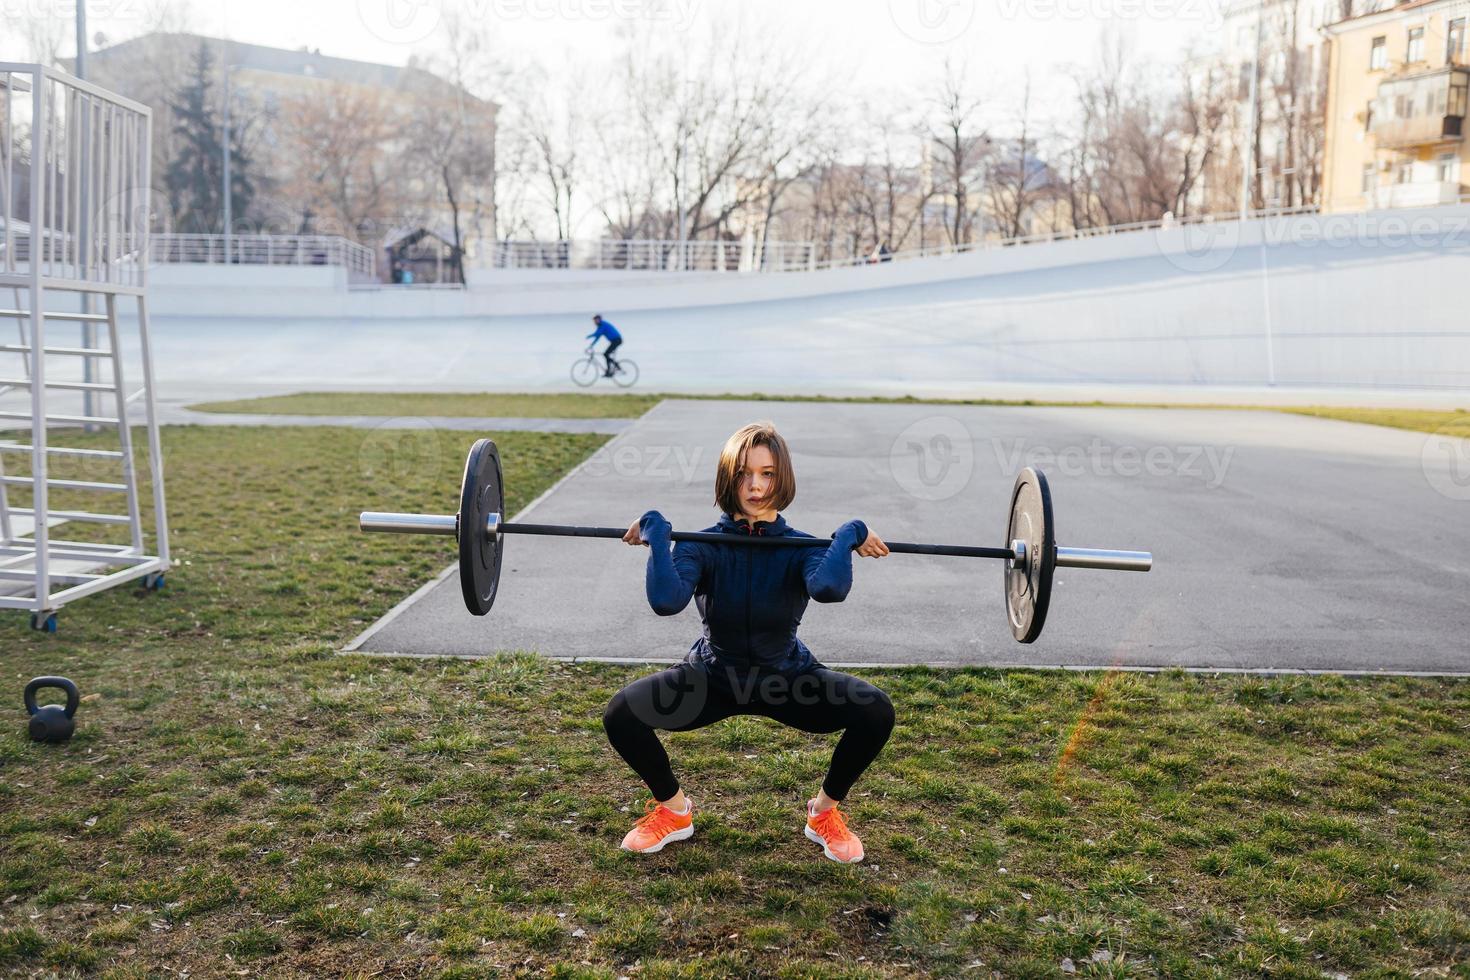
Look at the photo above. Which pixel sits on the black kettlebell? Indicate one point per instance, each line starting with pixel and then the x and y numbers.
pixel 52 723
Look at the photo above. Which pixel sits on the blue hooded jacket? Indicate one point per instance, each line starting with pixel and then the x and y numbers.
pixel 750 600
pixel 605 329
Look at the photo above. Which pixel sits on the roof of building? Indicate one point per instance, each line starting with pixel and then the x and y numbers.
pixel 1377 11
pixel 310 63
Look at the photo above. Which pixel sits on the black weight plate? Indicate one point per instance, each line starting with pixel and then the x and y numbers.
pixel 481 494
pixel 1028 584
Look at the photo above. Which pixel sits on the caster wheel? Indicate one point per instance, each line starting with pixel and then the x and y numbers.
pixel 154 582
pixel 46 625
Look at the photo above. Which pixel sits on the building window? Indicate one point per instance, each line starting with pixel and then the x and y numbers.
pixel 1405 173
pixel 1378 54
pixel 1415 50
pixel 1445 168
pixel 1454 41
pixel 1368 177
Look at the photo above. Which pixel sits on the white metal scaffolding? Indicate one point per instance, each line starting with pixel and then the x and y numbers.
pixel 74 221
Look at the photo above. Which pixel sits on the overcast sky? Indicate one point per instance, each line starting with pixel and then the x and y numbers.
pixel 866 45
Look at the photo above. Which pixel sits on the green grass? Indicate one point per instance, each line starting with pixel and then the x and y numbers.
pixel 443 404
pixel 239 797
pixel 492 405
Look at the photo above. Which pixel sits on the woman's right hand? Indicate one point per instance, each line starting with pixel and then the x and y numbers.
pixel 634 536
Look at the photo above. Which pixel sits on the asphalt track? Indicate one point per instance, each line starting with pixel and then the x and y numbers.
pixel 1280 542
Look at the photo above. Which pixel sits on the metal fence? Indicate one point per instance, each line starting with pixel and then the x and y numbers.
pixel 646 255
pixel 654 255
pixel 784 256
pixel 266 250
pixel 73 179
pixel 1070 234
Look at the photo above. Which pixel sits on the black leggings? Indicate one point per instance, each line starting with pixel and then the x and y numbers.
pixel 607 355
pixel 685 697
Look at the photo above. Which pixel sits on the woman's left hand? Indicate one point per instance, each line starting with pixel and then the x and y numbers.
pixel 872 547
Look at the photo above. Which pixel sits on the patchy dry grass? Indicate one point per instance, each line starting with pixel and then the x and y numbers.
pixel 572 405
pixel 448 404
pixel 1456 423
pixel 241 800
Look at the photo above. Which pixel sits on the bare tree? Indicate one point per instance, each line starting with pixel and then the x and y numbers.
pixel 40 31
pixel 1204 115
pixel 960 149
pixel 340 169
pixel 1147 139
pixel 450 137
pixel 1016 177
pixel 720 137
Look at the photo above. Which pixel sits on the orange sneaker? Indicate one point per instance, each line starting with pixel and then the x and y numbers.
pixel 659 826
pixel 829 829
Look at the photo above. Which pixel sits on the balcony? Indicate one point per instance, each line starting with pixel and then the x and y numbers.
pixel 1423 194
pixel 1420 109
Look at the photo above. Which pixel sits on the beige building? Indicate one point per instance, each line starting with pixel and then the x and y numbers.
pixel 1396 107
pixel 301 112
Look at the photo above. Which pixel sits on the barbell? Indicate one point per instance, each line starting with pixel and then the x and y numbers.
pixel 1031 553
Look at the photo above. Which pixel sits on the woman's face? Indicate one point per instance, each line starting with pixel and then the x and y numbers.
pixel 756 477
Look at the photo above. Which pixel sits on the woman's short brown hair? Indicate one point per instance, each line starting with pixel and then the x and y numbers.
pixel 727 475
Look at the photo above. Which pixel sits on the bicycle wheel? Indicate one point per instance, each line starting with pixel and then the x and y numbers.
pixel 627 373
pixel 584 372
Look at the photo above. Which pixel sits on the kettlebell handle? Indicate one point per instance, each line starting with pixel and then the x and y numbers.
pixel 73 696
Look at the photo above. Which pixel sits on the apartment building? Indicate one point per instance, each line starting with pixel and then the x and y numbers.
pixel 1396 107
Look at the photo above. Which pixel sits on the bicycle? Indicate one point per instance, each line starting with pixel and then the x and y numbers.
pixel 586 371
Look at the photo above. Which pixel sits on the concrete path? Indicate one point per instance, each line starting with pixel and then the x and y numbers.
pixel 1280 542
pixel 854 352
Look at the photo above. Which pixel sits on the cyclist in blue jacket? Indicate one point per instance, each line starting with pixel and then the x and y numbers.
pixel 605 329
pixel 749 660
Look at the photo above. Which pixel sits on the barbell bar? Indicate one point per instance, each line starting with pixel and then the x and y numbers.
pixel 1029 559
pixel 448 525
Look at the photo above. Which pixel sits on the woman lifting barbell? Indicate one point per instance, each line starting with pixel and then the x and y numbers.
pixel 749 660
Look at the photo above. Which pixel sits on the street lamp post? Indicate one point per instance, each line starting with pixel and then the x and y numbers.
pixel 225 150
pixel 1248 159
pixel 89 329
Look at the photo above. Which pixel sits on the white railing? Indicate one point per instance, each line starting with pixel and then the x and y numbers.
pixel 1419 194
pixel 74 208
pixel 266 250
pixel 394 287
pixel 73 167
pixel 1071 234
pixel 654 255
pixel 780 256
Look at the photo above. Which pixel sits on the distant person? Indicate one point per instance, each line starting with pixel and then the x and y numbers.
pixel 884 254
pixel 407 279
pixel 397 277
pixel 606 330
